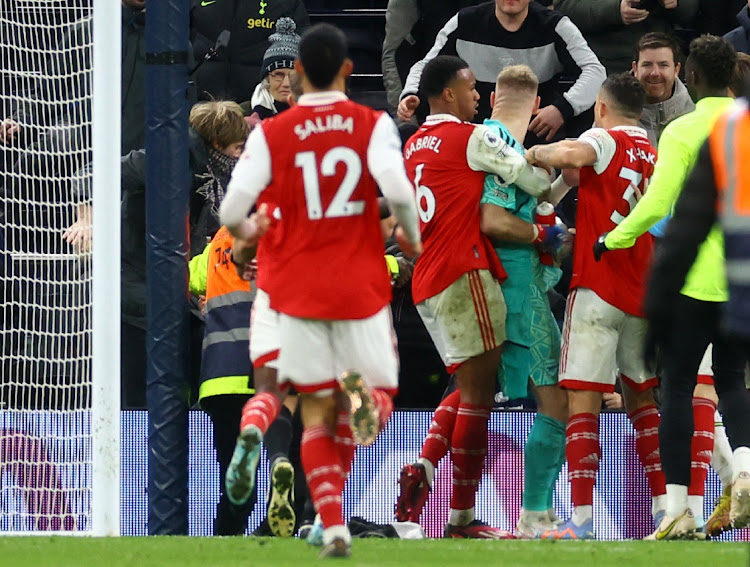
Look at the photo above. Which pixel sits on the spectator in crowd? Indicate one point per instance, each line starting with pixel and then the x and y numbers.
pixel 133 75
pixel 738 86
pixel 235 71
pixel 226 373
pixel 217 134
pixel 272 93
pixel 740 36
pixel 71 65
pixel 612 27
pixel 411 27
pixel 657 68
pixel 717 18
pixel 516 32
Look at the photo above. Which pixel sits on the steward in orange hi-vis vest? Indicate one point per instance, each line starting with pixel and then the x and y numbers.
pixel 730 152
pixel 225 363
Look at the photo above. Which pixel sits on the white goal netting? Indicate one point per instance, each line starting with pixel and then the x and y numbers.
pixel 45 282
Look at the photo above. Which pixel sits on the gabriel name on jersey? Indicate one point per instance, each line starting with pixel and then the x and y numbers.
pixel 425 143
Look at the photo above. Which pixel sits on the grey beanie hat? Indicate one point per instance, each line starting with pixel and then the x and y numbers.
pixel 284 47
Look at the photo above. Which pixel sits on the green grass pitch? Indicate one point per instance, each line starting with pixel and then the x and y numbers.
pixel 246 552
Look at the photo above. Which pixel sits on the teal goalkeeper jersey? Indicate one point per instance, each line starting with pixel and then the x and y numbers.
pixel 521 261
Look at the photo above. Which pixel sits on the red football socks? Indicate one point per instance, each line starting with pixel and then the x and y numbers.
pixel 582 452
pixel 646 423
pixel 702 446
pixel 468 451
pixel 345 443
pixel 260 410
pixel 324 473
pixel 437 442
pixel 384 403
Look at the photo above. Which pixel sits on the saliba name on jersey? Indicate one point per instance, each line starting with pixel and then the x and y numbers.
pixel 326 123
pixel 424 143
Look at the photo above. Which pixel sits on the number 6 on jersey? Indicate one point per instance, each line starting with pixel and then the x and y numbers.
pixel 426 210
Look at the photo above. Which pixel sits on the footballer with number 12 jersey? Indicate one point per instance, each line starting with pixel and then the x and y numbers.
pixel 340 149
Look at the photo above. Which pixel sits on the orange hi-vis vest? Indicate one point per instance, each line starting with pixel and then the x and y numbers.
pixel 730 153
pixel 225 363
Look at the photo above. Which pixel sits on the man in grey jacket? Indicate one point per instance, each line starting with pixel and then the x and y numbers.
pixel 656 67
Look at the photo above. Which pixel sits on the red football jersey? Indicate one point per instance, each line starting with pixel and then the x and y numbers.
pixel 265 255
pixel 605 198
pixel 328 249
pixel 448 195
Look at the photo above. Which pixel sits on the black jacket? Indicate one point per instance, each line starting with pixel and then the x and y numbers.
pixel 235 71
pixel 203 222
pixel 133 79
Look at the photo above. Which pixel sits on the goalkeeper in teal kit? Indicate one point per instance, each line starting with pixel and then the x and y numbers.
pixel 532 348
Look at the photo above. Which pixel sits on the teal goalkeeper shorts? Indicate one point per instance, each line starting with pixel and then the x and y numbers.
pixel 539 360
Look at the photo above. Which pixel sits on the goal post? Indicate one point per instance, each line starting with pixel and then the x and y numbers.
pixel 59 304
pixel 105 398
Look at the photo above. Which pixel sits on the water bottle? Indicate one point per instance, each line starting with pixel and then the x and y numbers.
pixel 545 214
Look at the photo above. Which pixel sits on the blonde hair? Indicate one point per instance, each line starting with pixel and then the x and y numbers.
pixel 219 122
pixel 517 78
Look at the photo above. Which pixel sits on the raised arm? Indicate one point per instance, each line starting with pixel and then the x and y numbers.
pixel 487 152
pixel 400 17
pixel 444 44
pixel 565 154
pixel 578 60
pixel 415 74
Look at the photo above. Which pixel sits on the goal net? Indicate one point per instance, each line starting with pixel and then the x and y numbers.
pixel 49 457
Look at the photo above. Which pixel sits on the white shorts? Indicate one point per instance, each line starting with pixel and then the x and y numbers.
pixel 315 352
pixel 466 319
pixel 598 339
pixel 264 333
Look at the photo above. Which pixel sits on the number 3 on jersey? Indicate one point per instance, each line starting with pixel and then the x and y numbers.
pixel 340 205
pixel 425 197
pixel 630 195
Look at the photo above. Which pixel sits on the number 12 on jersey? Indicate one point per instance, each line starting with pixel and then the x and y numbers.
pixel 340 205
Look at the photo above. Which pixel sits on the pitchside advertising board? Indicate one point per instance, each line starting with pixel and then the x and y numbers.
pixel 46 475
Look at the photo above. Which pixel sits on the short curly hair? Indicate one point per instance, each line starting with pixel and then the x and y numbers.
pixel 715 59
